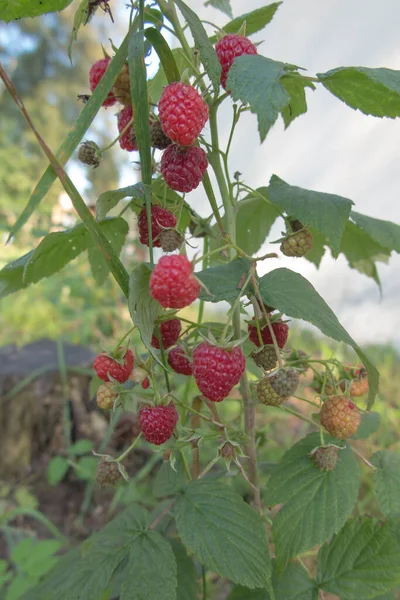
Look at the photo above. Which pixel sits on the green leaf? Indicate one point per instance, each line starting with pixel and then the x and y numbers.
pixel 86 469
pixel 169 480
pixel 361 250
pixel 254 219
pixel 224 533
pixel 140 107
pixel 160 80
pixel 372 91
pixel 79 128
pixel 108 200
pixel 222 5
pixel 187 588
pixel 255 80
pixel 54 252
pixel 295 85
pixel 19 585
pixel 85 572
pixel 98 265
pixel 35 558
pixel 19 9
pixel 151 570
pixel 143 308
pixel 80 447
pixel 293 584
pixel 224 282
pixel 165 54
pixel 56 469
pixel 57 579
pixel 255 20
pixel 208 56
pixel 316 503
pixel 95 383
pixel 327 213
pixel 293 295
pixel 387 481
pixel 385 233
pixel 95 570
pixel 361 561
pixel 369 424
pixel 80 18
pixel 138 84
pixel 317 252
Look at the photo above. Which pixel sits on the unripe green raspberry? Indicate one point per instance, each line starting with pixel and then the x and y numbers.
pixel 297 244
pixel 107 473
pixel 170 240
pixel 275 389
pixel 158 138
pixel 122 88
pixel 340 417
pixel 265 357
pixel 325 457
pixel 267 395
pixel 106 396
pixel 88 154
pixel 285 381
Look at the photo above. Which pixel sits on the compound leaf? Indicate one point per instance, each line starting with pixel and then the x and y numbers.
pixel 372 91
pixel 361 561
pixel 316 503
pixel 224 533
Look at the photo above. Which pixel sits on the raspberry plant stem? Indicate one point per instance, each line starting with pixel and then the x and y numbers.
pixel 125 129
pixel 267 320
pixel 128 450
pixel 230 218
pixel 195 424
pixel 365 460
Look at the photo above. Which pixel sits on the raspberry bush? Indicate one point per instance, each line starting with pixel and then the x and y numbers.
pixel 201 390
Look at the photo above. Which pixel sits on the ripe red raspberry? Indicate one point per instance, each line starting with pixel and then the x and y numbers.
pixel 179 362
pixel 106 366
pixel 146 383
pixel 340 417
pixel 228 48
pixel 183 168
pixel 281 331
pixel 170 331
pixel 160 218
pixel 183 113
pixel 128 140
pixel 96 73
pixel 157 423
pixel 173 283
pixel 217 370
pixel 106 396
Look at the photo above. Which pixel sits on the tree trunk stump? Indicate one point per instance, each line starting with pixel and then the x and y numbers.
pixel 32 418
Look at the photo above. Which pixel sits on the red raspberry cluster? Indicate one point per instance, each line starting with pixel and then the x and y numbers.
pixel 183 114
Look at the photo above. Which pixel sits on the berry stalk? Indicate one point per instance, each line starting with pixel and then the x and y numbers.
pixel 230 216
